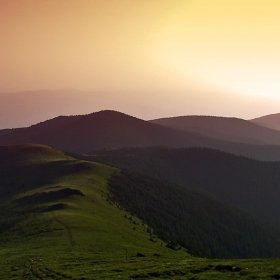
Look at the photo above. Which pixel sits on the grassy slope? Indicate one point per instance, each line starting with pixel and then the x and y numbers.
pixel 88 237
pixel 75 240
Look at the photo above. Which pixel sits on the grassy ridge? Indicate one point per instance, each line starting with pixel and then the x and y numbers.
pixel 82 237
pixel 42 219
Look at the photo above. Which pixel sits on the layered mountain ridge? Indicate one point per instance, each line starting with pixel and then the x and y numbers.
pixel 110 129
pixel 227 129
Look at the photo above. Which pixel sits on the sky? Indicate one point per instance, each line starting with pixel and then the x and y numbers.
pixel 159 57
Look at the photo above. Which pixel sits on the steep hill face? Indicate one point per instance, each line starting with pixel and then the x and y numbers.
pixel 271 121
pixel 247 184
pixel 229 129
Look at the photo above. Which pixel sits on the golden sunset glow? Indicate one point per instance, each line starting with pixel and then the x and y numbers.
pixel 177 57
pixel 232 44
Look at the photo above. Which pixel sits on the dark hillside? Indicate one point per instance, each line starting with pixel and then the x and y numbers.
pixel 52 204
pixel 105 129
pixel 204 226
pixel 27 167
pixel 110 129
pixel 251 185
pixel 228 129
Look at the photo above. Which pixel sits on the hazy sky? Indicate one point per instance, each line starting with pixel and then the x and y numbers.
pixel 176 57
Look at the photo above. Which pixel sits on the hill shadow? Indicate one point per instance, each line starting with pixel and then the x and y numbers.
pixel 22 178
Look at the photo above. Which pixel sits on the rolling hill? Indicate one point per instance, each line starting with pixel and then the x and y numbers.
pixel 110 129
pixel 228 129
pixel 105 129
pixel 250 185
pixel 271 121
pixel 18 108
pixel 63 218
pixel 56 221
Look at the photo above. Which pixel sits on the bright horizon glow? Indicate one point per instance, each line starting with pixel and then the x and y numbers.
pixel 172 57
pixel 232 44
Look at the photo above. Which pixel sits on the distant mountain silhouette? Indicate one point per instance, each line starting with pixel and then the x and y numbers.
pixel 25 108
pixel 104 129
pixel 228 129
pixel 271 121
pixel 111 129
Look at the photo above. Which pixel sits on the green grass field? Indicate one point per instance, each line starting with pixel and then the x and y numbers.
pixel 57 223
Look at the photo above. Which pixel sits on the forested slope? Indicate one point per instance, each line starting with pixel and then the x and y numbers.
pixel 241 182
pixel 204 226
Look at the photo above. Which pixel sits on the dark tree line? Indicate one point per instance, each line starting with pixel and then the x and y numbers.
pixel 204 226
pixel 247 184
